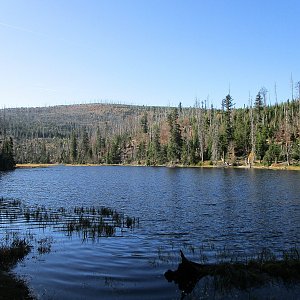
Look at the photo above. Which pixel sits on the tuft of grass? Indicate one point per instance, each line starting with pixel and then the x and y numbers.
pixel 10 255
pixel 44 245
pixel 13 288
pixel 87 222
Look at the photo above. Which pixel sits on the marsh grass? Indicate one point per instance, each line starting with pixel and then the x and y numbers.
pixel 11 254
pixel 13 250
pixel 44 245
pixel 95 222
pixel 88 223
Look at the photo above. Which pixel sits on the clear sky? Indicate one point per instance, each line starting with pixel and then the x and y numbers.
pixel 148 52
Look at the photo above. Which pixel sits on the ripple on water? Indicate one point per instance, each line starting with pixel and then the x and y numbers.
pixel 200 211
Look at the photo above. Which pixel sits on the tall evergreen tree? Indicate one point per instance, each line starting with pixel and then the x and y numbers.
pixel 259 107
pixel 227 137
pixel 144 123
pixel 7 161
pixel 175 140
pixel 74 149
pixel 154 149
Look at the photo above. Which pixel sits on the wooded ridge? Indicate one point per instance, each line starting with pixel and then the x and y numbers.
pixel 126 134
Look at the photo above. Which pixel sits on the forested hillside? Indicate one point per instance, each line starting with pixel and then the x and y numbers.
pixel 117 134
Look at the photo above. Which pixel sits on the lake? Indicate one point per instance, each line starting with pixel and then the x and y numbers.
pixel 207 213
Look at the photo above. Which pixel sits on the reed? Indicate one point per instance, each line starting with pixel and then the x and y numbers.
pixel 11 254
pixel 88 223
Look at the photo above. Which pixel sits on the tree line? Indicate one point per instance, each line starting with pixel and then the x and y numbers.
pixel 7 161
pixel 123 134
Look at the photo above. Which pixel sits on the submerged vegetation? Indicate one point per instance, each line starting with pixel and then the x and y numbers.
pixel 17 219
pixel 124 134
pixel 87 222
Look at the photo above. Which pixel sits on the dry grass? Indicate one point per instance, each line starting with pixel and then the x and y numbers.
pixel 29 165
pixel 205 164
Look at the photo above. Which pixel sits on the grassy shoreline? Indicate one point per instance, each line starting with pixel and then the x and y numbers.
pixel 204 165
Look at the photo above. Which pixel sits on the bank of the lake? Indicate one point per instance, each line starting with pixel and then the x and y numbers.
pixel 207 164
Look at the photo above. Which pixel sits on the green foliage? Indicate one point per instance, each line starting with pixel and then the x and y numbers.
pixel 272 154
pixel 154 148
pixel 144 123
pixel 227 136
pixel 175 140
pixel 74 150
pixel 114 152
pixel 242 134
pixel 141 151
pixel 296 150
pixel 85 150
pixel 7 161
pixel 259 105
pixel 261 143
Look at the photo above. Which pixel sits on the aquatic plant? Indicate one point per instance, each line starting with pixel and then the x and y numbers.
pixel 88 223
pixel 12 250
pixel 11 254
pixel 44 245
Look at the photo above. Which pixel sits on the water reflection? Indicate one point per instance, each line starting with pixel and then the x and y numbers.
pixel 240 277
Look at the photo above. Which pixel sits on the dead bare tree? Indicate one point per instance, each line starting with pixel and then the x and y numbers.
pixel 201 129
pixel 263 91
pixel 287 133
pixel 252 157
pixel 292 87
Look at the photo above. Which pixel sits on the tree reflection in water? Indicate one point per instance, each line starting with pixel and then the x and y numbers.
pixel 226 276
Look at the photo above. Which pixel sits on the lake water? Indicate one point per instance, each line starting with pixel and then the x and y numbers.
pixel 204 212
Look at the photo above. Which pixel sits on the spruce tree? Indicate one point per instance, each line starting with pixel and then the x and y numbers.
pixel 226 137
pixel 74 150
pixel 175 140
pixel 7 161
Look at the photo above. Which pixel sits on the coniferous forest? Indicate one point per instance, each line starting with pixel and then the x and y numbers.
pixel 7 161
pixel 127 134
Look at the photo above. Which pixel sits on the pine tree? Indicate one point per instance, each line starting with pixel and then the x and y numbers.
pixel 154 148
pixel 226 137
pixel 74 150
pixel 85 146
pixel 259 107
pixel 175 140
pixel 144 123
pixel 7 161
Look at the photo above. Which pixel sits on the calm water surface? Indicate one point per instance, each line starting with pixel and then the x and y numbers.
pixel 201 211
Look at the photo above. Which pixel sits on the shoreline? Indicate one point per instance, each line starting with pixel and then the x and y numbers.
pixel 205 165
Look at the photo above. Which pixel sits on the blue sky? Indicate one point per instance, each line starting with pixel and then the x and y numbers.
pixel 147 52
